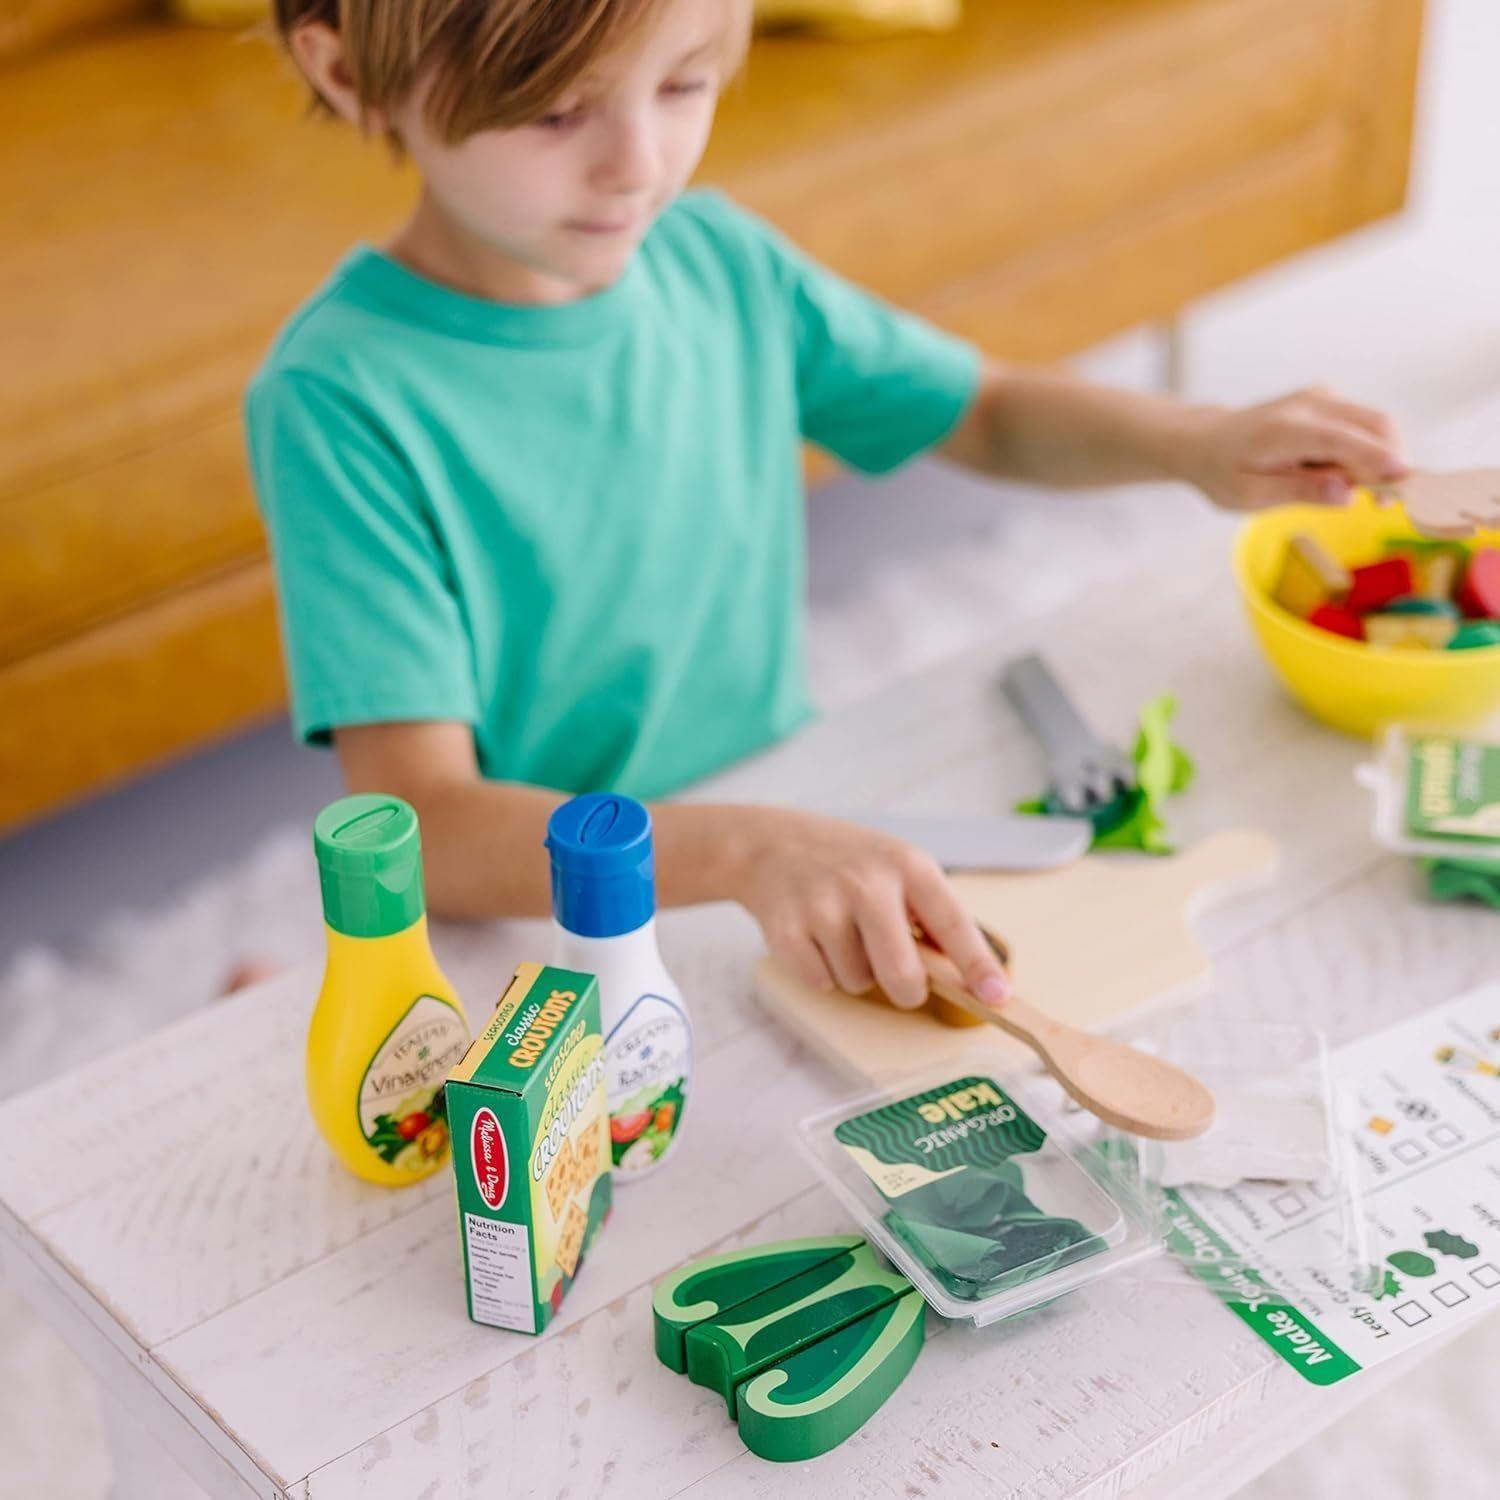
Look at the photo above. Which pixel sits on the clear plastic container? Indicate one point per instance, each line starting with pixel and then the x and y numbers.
pixel 1274 1106
pixel 994 1193
pixel 957 1179
pixel 1273 1191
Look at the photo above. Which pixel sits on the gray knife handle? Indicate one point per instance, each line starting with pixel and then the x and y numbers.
pixel 1085 771
pixel 1034 693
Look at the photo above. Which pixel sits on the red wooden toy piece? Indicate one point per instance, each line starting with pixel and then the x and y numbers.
pixel 1377 583
pixel 1338 618
pixel 1479 595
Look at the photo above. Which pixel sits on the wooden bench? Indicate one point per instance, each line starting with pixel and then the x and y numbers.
pixel 1050 173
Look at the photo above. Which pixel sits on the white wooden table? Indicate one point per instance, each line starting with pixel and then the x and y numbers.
pixel 282 1330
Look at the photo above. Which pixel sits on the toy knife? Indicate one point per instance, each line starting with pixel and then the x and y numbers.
pixel 1000 842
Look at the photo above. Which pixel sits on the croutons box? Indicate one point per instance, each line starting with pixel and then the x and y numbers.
pixel 531 1152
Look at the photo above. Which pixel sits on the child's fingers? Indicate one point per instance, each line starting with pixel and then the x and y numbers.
pixel 1366 418
pixel 885 927
pixel 1298 440
pixel 1314 487
pixel 844 952
pixel 794 946
pixel 936 906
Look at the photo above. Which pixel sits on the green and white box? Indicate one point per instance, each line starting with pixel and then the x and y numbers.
pixel 1453 789
pixel 531 1152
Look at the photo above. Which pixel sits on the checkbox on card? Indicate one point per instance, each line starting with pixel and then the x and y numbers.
pixel 1485 1276
pixel 1408 1151
pixel 1288 1205
pixel 1444 1135
pixel 1412 1313
pixel 1450 1294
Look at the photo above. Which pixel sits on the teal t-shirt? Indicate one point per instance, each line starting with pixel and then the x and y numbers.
pixel 577 528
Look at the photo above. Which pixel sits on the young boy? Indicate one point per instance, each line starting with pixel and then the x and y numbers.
pixel 532 470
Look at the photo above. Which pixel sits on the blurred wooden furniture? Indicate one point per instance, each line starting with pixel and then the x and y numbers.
pixel 1052 172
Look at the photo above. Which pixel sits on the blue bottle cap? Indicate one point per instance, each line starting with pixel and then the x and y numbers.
pixel 603 873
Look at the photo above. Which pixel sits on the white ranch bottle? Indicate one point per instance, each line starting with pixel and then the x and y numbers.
pixel 604 923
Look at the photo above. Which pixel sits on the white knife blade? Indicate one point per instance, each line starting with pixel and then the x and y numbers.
pixel 989 842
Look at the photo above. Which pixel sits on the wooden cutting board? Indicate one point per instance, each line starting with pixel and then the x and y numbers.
pixel 1102 941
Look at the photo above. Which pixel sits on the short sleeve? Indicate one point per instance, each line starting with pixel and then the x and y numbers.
pixel 370 625
pixel 875 386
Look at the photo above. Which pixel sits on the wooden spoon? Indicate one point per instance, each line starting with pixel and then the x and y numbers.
pixel 1123 1086
pixel 1448 505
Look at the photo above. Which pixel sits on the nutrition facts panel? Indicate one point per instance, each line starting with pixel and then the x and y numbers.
pixel 500 1273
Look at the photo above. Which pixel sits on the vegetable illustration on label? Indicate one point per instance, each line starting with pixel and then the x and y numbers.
pixel 400 1109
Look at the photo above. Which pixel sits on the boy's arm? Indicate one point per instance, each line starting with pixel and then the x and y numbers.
pixel 1049 427
pixel 834 900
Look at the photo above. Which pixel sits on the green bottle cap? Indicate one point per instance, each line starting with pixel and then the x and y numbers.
pixel 370 865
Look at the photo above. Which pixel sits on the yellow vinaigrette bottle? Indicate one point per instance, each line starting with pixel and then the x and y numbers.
pixel 387 1026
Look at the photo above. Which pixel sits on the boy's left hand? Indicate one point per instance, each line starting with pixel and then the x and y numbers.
pixel 1311 448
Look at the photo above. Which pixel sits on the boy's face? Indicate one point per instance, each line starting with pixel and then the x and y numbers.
pixel 571 196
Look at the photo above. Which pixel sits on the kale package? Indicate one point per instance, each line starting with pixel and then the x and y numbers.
pixel 958 1167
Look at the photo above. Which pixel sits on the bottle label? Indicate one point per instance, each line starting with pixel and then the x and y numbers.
pixel 400 1114
pixel 648 1060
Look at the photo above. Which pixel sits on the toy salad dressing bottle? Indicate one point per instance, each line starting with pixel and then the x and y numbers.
pixel 604 905
pixel 387 1026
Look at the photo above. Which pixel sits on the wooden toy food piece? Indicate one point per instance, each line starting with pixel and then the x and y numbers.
pixel 945 1014
pixel 942 1011
pixel 829 1390
pixel 715 1284
pixel 1124 1087
pixel 1339 619
pixel 1436 565
pixel 1449 505
pixel 766 1330
pixel 1464 880
pixel 949 1013
pixel 945 1010
pixel 1438 573
pixel 1479 594
pixel 1377 583
pixel 1310 576
pixel 1476 635
pixel 804 1339
pixel 1407 632
pixel 1419 604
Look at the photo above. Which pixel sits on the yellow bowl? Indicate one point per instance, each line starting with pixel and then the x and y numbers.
pixel 1351 685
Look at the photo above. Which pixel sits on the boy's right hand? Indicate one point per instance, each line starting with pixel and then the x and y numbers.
pixel 836 903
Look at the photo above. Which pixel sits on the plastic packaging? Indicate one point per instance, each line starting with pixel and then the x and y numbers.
pixel 961 1184
pixel 994 1194
pixel 1274 1106
pixel 1437 792
pixel 1281 1145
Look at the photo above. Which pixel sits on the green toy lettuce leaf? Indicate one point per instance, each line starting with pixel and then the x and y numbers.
pixel 1464 880
pixel 977 1232
pixel 1163 769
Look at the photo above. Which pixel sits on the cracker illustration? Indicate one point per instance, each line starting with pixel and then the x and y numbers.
pixel 570 1242
pixel 560 1178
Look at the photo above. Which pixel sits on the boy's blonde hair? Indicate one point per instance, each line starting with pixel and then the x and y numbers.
pixel 493 63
